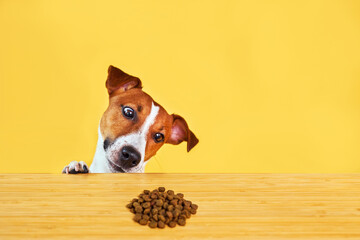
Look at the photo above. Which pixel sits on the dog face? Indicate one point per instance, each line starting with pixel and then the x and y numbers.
pixel 134 126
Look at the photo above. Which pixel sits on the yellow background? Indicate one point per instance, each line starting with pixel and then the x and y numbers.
pixel 267 86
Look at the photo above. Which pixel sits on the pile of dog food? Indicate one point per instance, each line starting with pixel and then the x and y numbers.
pixel 158 208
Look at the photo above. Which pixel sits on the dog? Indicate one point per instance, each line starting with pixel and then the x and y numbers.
pixel 132 129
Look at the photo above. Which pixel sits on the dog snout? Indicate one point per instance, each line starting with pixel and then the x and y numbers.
pixel 129 157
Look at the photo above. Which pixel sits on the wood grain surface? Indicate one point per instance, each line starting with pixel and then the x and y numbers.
pixel 231 206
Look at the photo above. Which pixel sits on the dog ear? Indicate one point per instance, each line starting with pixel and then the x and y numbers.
pixel 119 80
pixel 180 132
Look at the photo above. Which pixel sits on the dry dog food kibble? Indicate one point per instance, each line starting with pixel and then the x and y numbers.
pixel 158 208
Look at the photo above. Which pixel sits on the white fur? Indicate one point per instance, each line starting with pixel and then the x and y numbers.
pixel 75 165
pixel 100 164
pixel 137 140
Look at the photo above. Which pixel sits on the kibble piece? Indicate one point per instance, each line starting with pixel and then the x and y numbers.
pixel 138 209
pixel 194 206
pixel 137 217
pixel 170 192
pixel 173 202
pixel 146 205
pixel 180 195
pixel 169 214
pixel 141 200
pixel 147 211
pixel 129 205
pixel 172 224
pixel 154 211
pixel 186 213
pixel 187 208
pixel 161 189
pixel 147 198
pixel 161 218
pixel 192 211
pixel 181 222
pixel 147 192
pixel 132 210
pixel 162 212
pixel 152 224
pixel 146 217
pixel 170 207
pixel 134 200
pixel 159 203
pixel 176 213
pixel 179 207
pixel 161 224
pixel 153 196
pixel 143 221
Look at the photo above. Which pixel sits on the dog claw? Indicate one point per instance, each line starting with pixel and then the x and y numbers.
pixel 76 167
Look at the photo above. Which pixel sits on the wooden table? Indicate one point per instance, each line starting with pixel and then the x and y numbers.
pixel 232 206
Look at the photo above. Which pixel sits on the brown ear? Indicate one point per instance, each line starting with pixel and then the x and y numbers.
pixel 118 80
pixel 180 132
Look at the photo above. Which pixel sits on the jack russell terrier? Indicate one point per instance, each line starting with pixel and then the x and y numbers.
pixel 132 129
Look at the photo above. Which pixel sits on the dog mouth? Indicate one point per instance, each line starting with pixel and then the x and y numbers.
pixel 115 167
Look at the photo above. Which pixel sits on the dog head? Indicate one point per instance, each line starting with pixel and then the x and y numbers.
pixel 134 126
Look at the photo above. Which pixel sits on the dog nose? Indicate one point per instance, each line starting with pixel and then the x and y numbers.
pixel 129 157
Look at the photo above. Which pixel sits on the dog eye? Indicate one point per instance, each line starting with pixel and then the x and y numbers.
pixel 159 137
pixel 128 112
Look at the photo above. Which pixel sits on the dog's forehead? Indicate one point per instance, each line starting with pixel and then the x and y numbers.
pixel 135 98
pixel 163 120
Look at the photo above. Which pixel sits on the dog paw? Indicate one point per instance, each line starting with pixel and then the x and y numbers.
pixel 76 167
